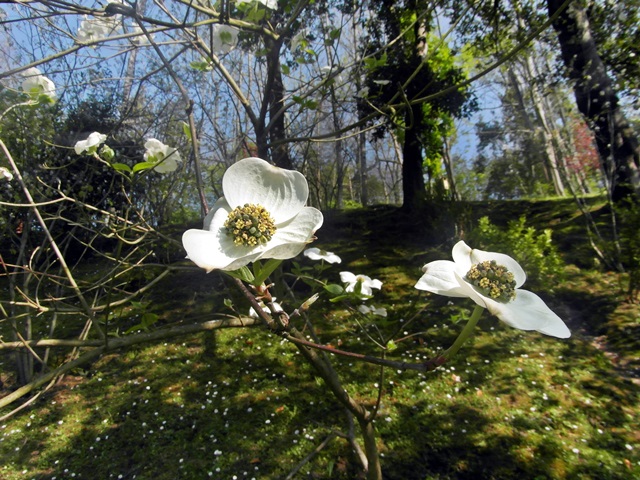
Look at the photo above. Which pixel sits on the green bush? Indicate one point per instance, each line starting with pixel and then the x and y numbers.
pixel 629 221
pixel 534 250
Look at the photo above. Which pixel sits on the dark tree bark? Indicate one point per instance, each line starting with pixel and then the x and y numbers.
pixel 596 99
pixel 275 97
pixel 413 188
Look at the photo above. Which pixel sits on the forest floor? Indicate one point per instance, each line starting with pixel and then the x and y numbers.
pixel 241 403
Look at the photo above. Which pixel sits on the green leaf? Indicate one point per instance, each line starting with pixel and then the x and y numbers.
pixel 187 130
pixel 285 69
pixel 121 167
pixel 391 345
pixel 138 167
pixel 243 274
pixel 149 319
pixel 262 272
pixel 226 37
pixel 228 303
pixel 334 289
pixel 202 66
pixel 311 104
pixel 372 63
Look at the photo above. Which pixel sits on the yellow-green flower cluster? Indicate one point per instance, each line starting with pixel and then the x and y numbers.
pixel 250 225
pixel 493 280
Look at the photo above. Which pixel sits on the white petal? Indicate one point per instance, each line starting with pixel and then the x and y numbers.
pixel 332 258
pixel 529 312
pixel 364 309
pixel 168 165
pixel 347 277
pixel 313 253
pixel 211 250
pixel 80 146
pixel 461 254
pixel 439 278
pixel 318 254
pixel 221 208
pixel 154 146
pixel 252 180
pixel 293 236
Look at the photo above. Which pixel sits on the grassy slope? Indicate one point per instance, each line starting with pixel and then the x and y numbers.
pixel 240 404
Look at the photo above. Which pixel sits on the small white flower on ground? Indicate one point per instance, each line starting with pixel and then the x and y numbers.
pixel 224 38
pixel 35 84
pixel 380 311
pixel 261 215
pixel 91 144
pixel 318 254
pixel 367 283
pixel 166 158
pixel 492 281
pixel 6 174
pixel 276 305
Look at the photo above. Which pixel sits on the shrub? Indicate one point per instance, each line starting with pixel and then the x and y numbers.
pixel 534 250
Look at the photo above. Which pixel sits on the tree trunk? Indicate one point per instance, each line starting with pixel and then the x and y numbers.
pixel 544 129
pixel 597 101
pixel 276 129
pixel 413 188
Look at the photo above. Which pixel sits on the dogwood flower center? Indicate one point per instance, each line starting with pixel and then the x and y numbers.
pixel 250 225
pixel 493 280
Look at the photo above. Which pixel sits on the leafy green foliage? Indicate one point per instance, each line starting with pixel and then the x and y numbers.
pixel 534 250
pixel 629 219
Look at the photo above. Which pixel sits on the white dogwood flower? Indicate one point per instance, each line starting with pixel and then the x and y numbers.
pixel 35 84
pixel 166 158
pixel 261 215
pixel 318 254
pixel 366 283
pixel 224 38
pixel 492 281
pixel 91 144
pixel 98 28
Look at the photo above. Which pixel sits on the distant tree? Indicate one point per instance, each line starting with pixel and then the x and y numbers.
pixel 597 99
pixel 406 70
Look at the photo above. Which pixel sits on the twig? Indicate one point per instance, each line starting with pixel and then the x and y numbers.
pixel 310 456
pixel 51 240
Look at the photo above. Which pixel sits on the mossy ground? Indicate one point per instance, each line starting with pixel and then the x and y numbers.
pixel 242 404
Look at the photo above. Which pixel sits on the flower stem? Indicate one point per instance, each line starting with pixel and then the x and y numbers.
pixel 466 332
